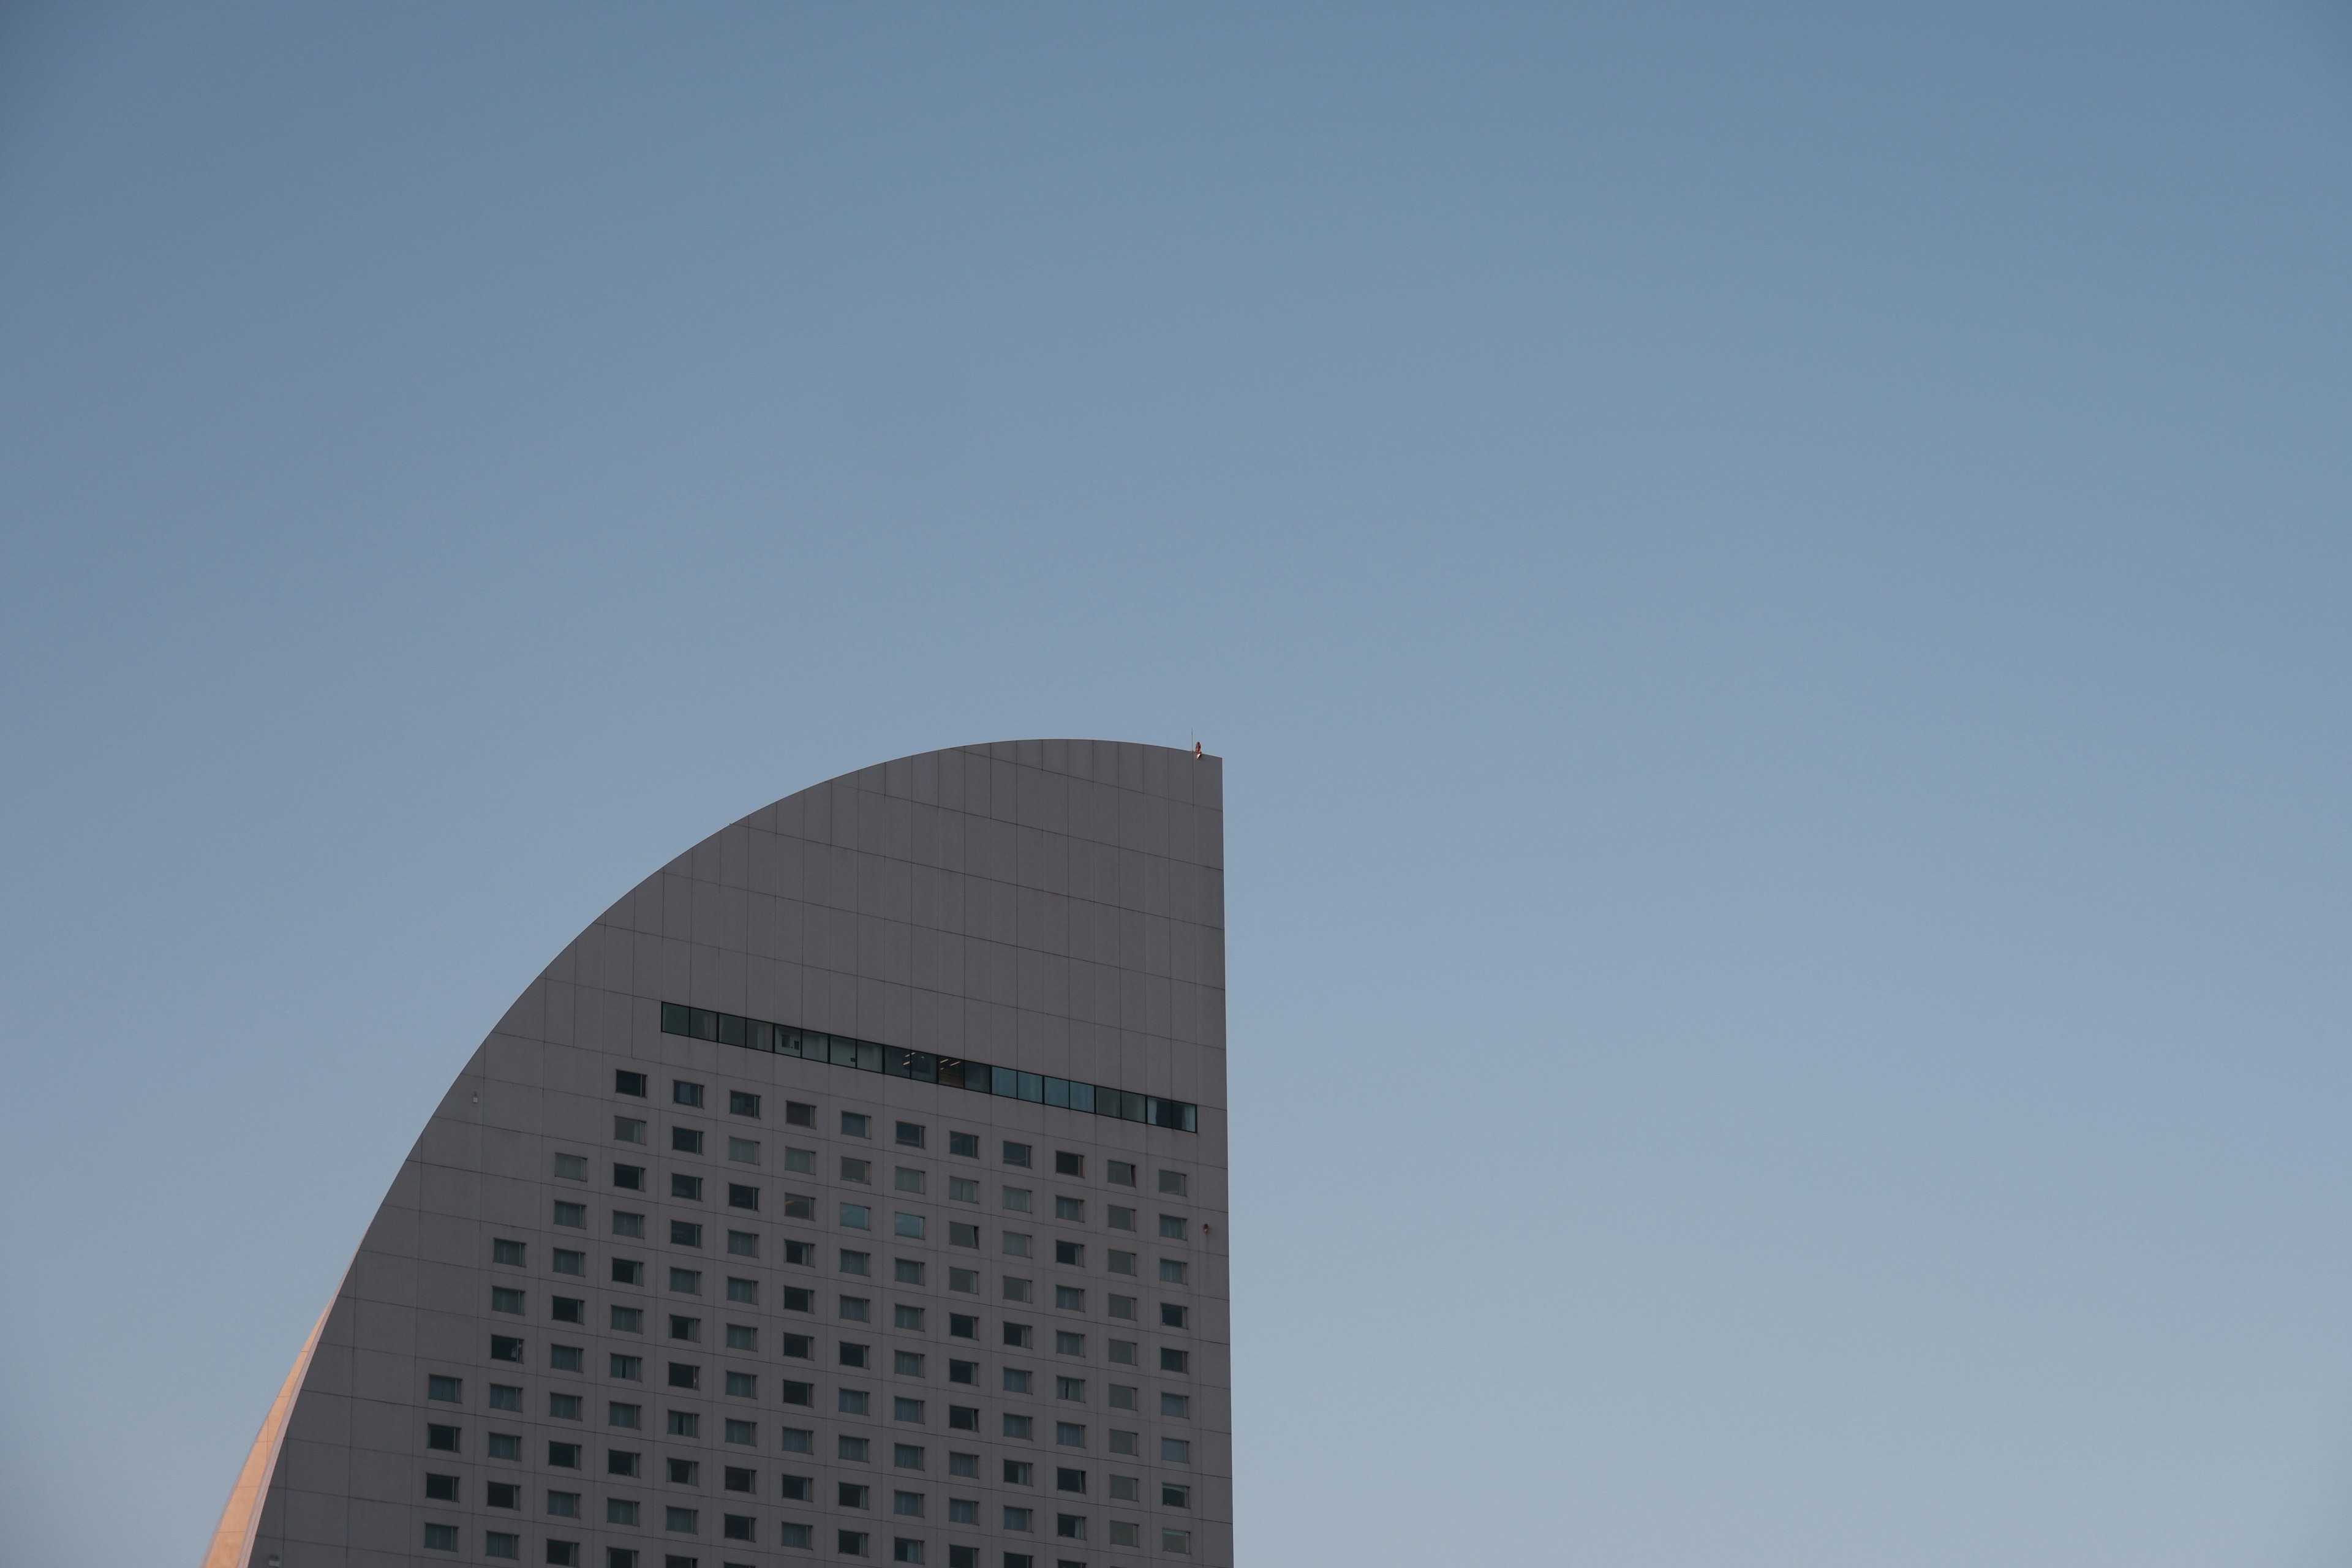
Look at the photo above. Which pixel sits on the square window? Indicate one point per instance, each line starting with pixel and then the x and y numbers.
pixel 742 1385
pixel 628 1271
pixel 799 1347
pixel 1172 1181
pixel 1069 1480
pixel 963 1234
pixel 966 1144
pixel 906 1225
pixel 963 1327
pixel 850 1494
pixel 963 1371
pixel 629 1178
pixel 801 1535
pixel 798 1394
pixel 1070 1254
pixel 1015 1289
pixel 509 1252
pixel 799 1440
pixel 1123 1352
pixel 856 1217
pixel 856 1262
pixel 801 1160
pixel 1070 1388
pixel 800 1253
pixel 1173 1496
pixel 736 1526
pixel 684 1472
pixel 1018 1199
pixel 964 1418
pixel 445 1388
pixel 1172 1271
pixel 680 1520
pixel 441 1489
pixel 1180 1404
pixel 852 1356
pixel 563 1505
pixel 850 1542
pixel 627 1320
pixel 685 1374
pixel 628 1368
pixel 964 1465
pixel 741 1104
pixel 1072 1209
pixel 963 1190
pixel 621 1462
pixel 744 1290
pixel 798 1114
pixel 1175 1360
pixel 1171 1316
pixel 744 1432
pixel 441 1538
pixel 1121 1262
pixel 1015 1378
pixel 1123 1396
pixel 905 1550
pixel 1171 1227
pixel 619 1510
pixel 1125 1442
pixel 1125 1489
pixel 907 1503
pixel 903 1316
pixel 1017 1335
pixel 1069 1435
pixel 911 1135
pixel 856 1125
pixel 964 1280
pixel 1122 1173
pixel 1015 1243
pixel 854 1308
pixel 570 1262
pixel 630 1083
pixel 1179 1542
pixel 852 1402
pixel 742 1337
pixel 1176 1451
pixel 1070 1526
pixel 1067 1164
pixel 684 1093
pixel 1017 1518
pixel 1016 1154
pixel 505 1300
pixel 799 1488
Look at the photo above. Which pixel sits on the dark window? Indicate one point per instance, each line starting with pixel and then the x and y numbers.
pixel 742 1198
pixel 799 1488
pixel 445 1438
pixel 850 1494
pixel 800 1115
pixel 741 1104
pixel 685 1140
pixel 738 1479
pixel 685 1281
pixel 684 1327
pixel 684 1375
pixel 1070 1252
pixel 963 1234
pixel 441 1489
pixel 632 1083
pixel 620 1462
pixel 564 1358
pixel 687 1187
pixel 573 1214
pixel 569 1310
pixel 505 1349
pixel 1070 1526
pixel 963 1371
pixel 631 1177
pixel 906 1455
pixel 445 1388
pixel 628 1271
pixel 564 1456
pixel 797 1346
pixel 1171 1315
pixel 738 1527
pixel 964 1143
pixel 502 1494
pixel 1069 1481
pixel 803 1252
pixel 799 1393
pixel 684 1233
pixel 852 1356
pixel 1017 1334
pixel 564 1406
pixel 684 1093
pixel 1175 1360
pixel 683 1472
pixel 910 1133
pixel 505 1445
pixel 1067 1164
pixel 964 1417
pixel 504 1396
pixel 856 1124
pixel 563 1553
pixel 510 1252
pixel 1016 1154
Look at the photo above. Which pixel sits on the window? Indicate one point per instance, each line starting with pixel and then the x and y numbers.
pixel 963 1327
pixel 628 1271
pixel 1179 1405
pixel 570 1262
pixel 1176 1451
pixel 1125 1442
pixel 907 1271
pixel 1067 1164
pixel 737 1479
pixel 565 1358
pixel 798 1114
pixel 1070 1254
pixel 573 1214
pixel 850 1542
pixel 799 1488
pixel 741 1104
pixel 736 1526
pixel 856 1308
pixel 903 1316
pixel 1176 1541
pixel 1172 1359
pixel 1069 1480
pixel 441 1489
pixel 684 1093
pixel 907 1409
pixel 504 1396
pixel 629 1368
pixel 1173 1496
pixel 619 1510
pixel 1121 1262
pixel 963 1190
pixel 627 1224
pixel 681 1521
pixel 742 1337
pixel 850 1494
pixel 685 1281
pixel 798 1347
pixel 1070 1388
pixel 505 1349
pixel 1016 1154
pixel 964 1556
pixel 441 1538
pixel 909 1179
pixel 685 1140
pixel 445 1388
pixel 966 1144
pixel 1070 1526
pixel 1122 1218
pixel 564 1407
pixel 507 1252
pixel 1127 1489
pixel 861 1171
pixel 630 1083
pixel 744 1432
pixel 964 1418
pixel 629 1178
pixel 799 1535
pixel 617 1413
pixel 621 1462
pixel 801 1160
pixel 906 1225
pixel 1015 1243
pixel 963 1371
pixel 1123 1396
pixel 1067 1343
pixel 856 1217
pixel 1171 1227
pixel 1020 1426
pixel 855 1125
pixel 628 1130
pixel 1015 1289
pixel 742 1385
pixel 964 1465
pixel 1172 1271
pixel 963 1234
pixel 739 1196
pixel 911 1135
pixel 743 1151
pixel 799 1206
pixel 744 1290
pixel 687 1188
pixel 797 1394
pixel 1124 1533
pixel 505 1300
pixel 852 1356
pixel 685 1374
pixel 1171 1316
pixel 907 1503
pixel 1123 1352
pixel 684 1472
pixel 799 1440
pixel 905 1550
pixel 964 1280
pixel 1017 1335
pixel 907 1364
pixel 1016 1380
pixel 1123 1175
pixel 802 1253
pixel 1069 1435
pixel 743 1243
pixel 1018 1199
pixel 852 1402
pixel 1015 1518
pixel 684 1233
pixel 563 1505
pixel 571 1167
pixel 628 1320
pixel 1073 1209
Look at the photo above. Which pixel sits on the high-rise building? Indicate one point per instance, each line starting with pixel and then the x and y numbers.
pixel 852 1189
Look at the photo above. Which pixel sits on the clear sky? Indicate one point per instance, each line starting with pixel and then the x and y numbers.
pixel 1773 580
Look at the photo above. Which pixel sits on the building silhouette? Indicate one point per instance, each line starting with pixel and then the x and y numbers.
pixel 852 1189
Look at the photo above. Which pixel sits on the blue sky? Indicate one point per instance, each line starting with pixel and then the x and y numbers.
pixel 1772 581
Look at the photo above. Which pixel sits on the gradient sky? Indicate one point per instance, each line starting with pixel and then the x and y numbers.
pixel 1772 581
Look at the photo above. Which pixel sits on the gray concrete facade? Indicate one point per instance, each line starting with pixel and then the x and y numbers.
pixel 834 1343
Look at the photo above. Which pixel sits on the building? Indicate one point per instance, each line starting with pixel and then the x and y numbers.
pixel 854 1189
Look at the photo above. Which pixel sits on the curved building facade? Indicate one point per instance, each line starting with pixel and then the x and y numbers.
pixel 853 1189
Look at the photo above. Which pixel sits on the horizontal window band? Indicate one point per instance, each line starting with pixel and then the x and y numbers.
pixel 925 1067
